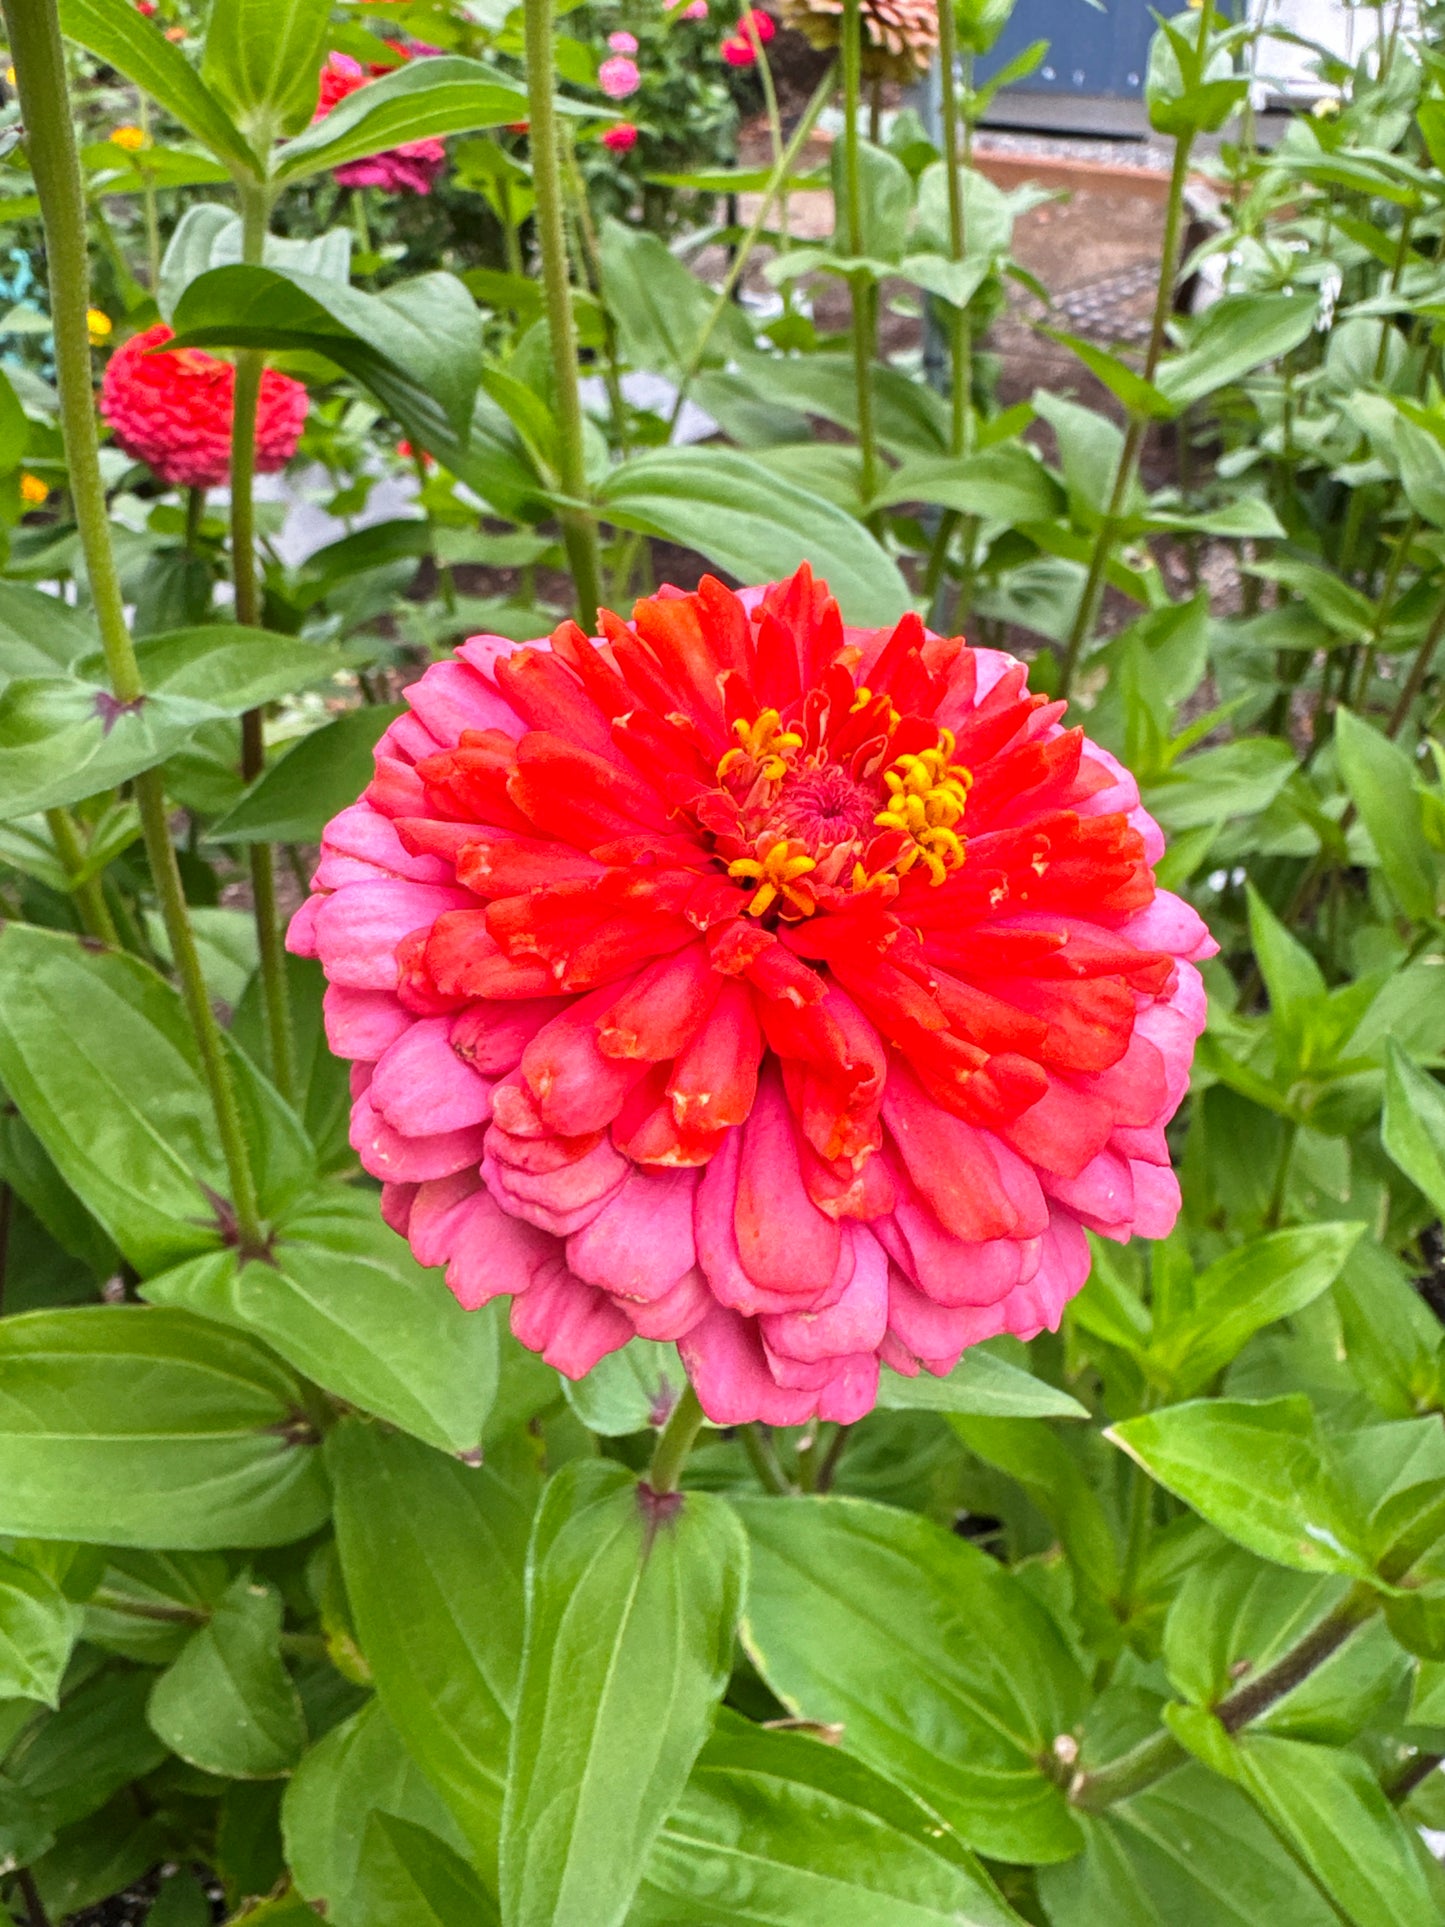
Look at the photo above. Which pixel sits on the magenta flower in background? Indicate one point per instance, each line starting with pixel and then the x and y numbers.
pixel 408 169
pixel 622 43
pixel 619 77
pixel 620 139
pixel 697 11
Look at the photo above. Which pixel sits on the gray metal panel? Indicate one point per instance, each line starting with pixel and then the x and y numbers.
pixel 1092 54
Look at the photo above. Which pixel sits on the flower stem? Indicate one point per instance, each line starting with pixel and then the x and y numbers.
pixel 36 49
pixel 782 168
pixel 89 897
pixel 152 221
pixel 195 515
pixel 763 1457
pixel 1419 669
pixel 860 286
pixel 960 327
pixel 271 949
pixel 579 526
pixel 677 1440
pixel 1124 475
pixel 1151 1759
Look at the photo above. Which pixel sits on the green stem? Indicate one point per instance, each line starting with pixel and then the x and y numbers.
pixel 511 239
pixel 152 221
pixel 39 57
pixel 89 897
pixel 1151 1759
pixel 270 944
pixel 860 286
pixel 1419 669
pixel 359 221
pixel 1088 609
pixel 676 1441
pixel 579 527
pixel 763 1457
pixel 195 515
pixel 960 329
pixel 775 118
pixel 782 168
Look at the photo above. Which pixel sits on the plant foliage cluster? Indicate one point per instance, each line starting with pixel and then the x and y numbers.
pixel 311 1580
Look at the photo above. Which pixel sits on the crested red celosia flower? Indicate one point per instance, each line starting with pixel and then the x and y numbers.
pixel 173 410
pixel 797 992
pixel 408 169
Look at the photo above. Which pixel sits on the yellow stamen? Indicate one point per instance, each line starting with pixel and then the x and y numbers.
pixel 32 490
pixel 776 869
pixel 99 325
pixel 927 796
pixel 764 742
pixel 131 139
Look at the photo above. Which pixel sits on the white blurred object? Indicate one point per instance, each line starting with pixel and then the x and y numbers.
pixel 1282 68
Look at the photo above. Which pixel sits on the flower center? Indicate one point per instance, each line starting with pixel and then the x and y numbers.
pixel 798 822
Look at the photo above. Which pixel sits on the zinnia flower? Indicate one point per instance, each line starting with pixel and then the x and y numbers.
pixel 796 992
pixel 173 410
pixel 622 43
pixel 697 10
pixel 900 37
pixel 409 169
pixel 619 77
pixel 621 139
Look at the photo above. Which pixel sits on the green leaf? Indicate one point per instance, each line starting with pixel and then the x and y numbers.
pixel 1258 1472
pixel 180 1902
pixel 1381 783
pixel 632 1605
pixel 1239 1294
pixel 1238 333
pixel 1234 1615
pixel 1138 395
pixel 210 235
pixel 262 58
pixel 433 1554
pixel 629 1390
pixel 1327 1805
pixel 1413 1128
pixel 421 100
pixel 147 1604
pixel 408 1874
pixel 775 1829
pixel 39 634
pixel 1237 779
pixel 845 1594
pixel 341 1298
pixel 123 1109
pixel 417 346
pixel 227 1703
pixel 885 199
pixel 1050 1468
pixel 125 39
pixel 1337 604
pixel 660 309
pixel 360 1768
pixel 125 1426
pixel 294 799
pixel 38 1628
pixel 1005 484
pixel 1189 1851
pixel 68 1765
pixel 754 525
pixel 64 740
pixel 980 1382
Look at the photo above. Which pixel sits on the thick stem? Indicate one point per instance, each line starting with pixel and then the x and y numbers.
pixel 36 49
pixel 676 1441
pixel 1134 436
pixel 1142 1765
pixel 960 333
pixel 860 286
pixel 34 1905
pixel 579 527
pixel 89 897
pixel 195 515
pixel 152 220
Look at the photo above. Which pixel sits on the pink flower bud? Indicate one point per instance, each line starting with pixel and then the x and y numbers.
pixel 697 11
pixel 622 43
pixel 620 139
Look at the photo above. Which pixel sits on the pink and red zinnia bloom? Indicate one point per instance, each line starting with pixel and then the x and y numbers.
pixel 411 168
pixel 173 410
pixel 799 993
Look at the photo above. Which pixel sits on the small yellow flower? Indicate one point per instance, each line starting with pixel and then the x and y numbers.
pixel 99 325
pixel 132 139
pixel 33 491
pixel 1326 107
pixel 9 76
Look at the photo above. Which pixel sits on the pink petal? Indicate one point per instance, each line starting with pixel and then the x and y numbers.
pixel 576 1088
pixel 451 697
pixel 1156 1199
pixel 361 844
pixel 729 1372
pixel 947 1269
pixel 932 1331
pixel 301 931
pixel 396 1206
pixel 640 1243
pixel 855 1322
pixel 487 1252
pixel 422 1087
pixel 784 1241
pixel 362 1023
pixel 674 1312
pixel 569 1323
pixel 357 930
pixel 385 1153
pixel 492 1037
pixel 1169 923
pixel 1102 1194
